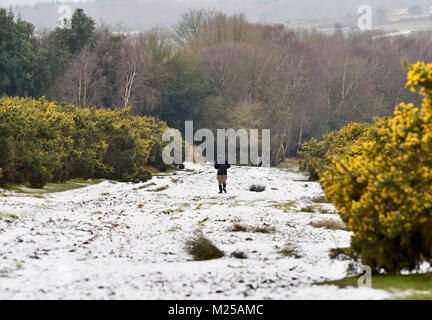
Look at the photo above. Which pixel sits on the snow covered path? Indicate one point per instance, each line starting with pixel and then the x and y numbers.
pixel 126 241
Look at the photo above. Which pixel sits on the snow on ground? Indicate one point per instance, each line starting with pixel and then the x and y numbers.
pixel 126 241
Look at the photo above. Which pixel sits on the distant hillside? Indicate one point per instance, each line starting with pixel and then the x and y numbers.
pixel 145 14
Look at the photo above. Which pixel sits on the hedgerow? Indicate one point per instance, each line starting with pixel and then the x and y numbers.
pixel 41 141
pixel 384 193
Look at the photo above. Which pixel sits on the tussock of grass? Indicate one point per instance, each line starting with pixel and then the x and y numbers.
pixel 239 255
pixel 175 228
pixel 241 228
pixel 330 224
pixel 264 229
pixel 238 228
pixel 160 189
pixel 203 221
pixel 257 188
pixel 290 251
pixel 145 186
pixel 201 248
pixel 169 211
pixel 309 209
pixel 5 272
pixel 7 215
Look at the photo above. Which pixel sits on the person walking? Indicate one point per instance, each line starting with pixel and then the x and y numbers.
pixel 222 175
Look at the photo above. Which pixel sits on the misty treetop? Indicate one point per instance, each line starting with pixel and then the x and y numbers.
pixel 220 71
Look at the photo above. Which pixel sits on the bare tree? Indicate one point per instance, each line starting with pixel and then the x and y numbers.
pixel 78 79
pixel 192 23
pixel 132 72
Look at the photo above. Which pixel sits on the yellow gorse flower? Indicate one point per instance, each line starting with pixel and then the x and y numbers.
pixel 382 188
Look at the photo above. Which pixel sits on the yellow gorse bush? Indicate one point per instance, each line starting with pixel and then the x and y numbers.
pixel 317 155
pixel 384 193
pixel 41 141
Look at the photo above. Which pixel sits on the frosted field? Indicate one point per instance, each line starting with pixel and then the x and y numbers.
pixel 126 241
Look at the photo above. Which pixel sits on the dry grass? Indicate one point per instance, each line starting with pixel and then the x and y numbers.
pixel 145 186
pixel 238 228
pixel 160 189
pixel 241 228
pixel 169 211
pixel 264 229
pixel 7 215
pixel 330 224
pixel 239 255
pixel 309 209
pixel 202 249
pixel 290 251
pixel 257 188
pixel 286 207
pixel 175 228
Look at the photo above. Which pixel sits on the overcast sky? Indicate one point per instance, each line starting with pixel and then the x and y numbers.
pixel 145 14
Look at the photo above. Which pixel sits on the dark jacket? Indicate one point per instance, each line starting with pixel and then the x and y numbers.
pixel 222 168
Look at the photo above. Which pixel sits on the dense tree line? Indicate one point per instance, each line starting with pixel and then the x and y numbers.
pixel 217 70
